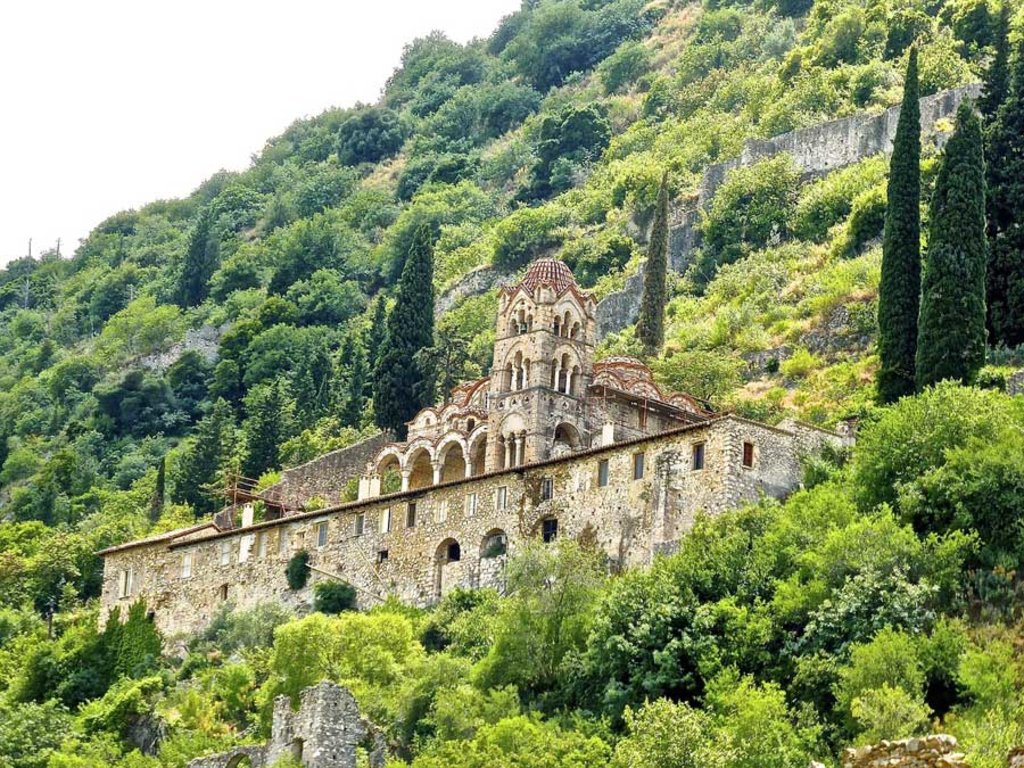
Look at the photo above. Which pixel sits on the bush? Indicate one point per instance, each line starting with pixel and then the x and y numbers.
pixel 297 571
pixel 526 234
pixel 866 222
pixel 370 135
pixel 624 67
pixel 828 201
pixel 334 597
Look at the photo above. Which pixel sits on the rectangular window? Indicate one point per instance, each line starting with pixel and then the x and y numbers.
pixel 385 521
pixel 282 543
pixel 470 504
pixel 698 456
pixel 223 593
pixel 642 419
pixel 748 454
pixel 186 565
pixel 442 511
pixel 225 553
pixel 124 588
pixel 382 556
pixel 244 548
pixel 602 473
pixel 501 499
pixel 321 534
pixel 638 466
pixel 261 544
pixel 549 530
pixel 410 515
pixel 547 489
pixel 360 524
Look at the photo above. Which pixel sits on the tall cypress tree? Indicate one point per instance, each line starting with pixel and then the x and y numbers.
pixel 1006 213
pixel 203 459
pixel 378 331
pixel 650 325
pixel 270 421
pixel 397 394
pixel 951 333
pixel 997 76
pixel 900 287
pixel 200 261
pixel 357 375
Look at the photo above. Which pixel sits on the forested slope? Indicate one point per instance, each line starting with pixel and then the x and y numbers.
pixel 549 137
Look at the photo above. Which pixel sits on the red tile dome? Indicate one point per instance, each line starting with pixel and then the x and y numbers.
pixel 550 272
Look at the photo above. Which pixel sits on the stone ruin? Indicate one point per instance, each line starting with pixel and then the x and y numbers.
pixel 324 732
pixel 936 751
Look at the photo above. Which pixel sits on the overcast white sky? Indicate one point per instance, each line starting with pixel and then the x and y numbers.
pixel 109 104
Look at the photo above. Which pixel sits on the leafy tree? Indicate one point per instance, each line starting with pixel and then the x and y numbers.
pixel 997 75
pixel 951 336
pixel 571 137
pixel 334 597
pixel 663 734
pixel 327 299
pixel 30 733
pixel 1005 163
pixel 199 477
pixel 900 287
pixel 269 422
pixel 370 135
pixel 200 262
pixel 650 325
pixel 397 396
pixel 443 366
pixel 189 378
pixel 138 404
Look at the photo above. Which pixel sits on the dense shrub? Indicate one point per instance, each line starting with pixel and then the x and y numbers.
pixel 297 570
pixel 334 596
pixel 370 135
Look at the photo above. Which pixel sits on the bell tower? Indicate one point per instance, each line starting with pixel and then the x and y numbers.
pixel 543 361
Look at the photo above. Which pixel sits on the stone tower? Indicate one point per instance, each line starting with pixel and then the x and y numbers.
pixel 543 361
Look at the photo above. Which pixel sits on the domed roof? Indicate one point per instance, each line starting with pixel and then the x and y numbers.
pixel 622 361
pixel 550 272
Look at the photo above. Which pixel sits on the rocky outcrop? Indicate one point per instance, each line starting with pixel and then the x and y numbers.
pixel 937 751
pixel 204 340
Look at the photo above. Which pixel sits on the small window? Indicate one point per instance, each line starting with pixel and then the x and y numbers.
pixel 442 510
pixel 186 565
pixel 244 548
pixel 638 466
pixel 602 473
pixel 321 534
pixel 698 456
pixel 223 593
pixel 410 515
pixel 501 499
pixel 382 556
pixel 385 521
pixel 549 530
pixel 642 419
pixel 261 544
pixel 547 489
pixel 124 588
pixel 225 553
pixel 470 504
pixel 748 455
pixel 454 552
pixel 360 524
pixel 282 543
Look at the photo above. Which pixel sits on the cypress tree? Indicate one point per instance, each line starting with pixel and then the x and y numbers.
pixel 951 333
pixel 203 459
pixel 900 287
pixel 397 395
pixel 1006 213
pixel 200 261
pixel 269 423
pixel 997 76
pixel 156 507
pixel 650 324
pixel 358 375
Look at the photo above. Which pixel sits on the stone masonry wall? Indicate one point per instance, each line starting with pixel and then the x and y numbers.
pixel 326 476
pixel 816 150
pixel 401 544
pixel 938 751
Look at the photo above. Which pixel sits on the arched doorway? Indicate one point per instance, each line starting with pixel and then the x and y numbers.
pixel 453 461
pixel 567 439
pixel 421 470
pixel 389 470
pixel 447 567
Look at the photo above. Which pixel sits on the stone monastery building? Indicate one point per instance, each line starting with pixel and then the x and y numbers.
pixel 551 445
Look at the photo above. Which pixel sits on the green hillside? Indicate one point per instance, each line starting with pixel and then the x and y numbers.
pixel 237 331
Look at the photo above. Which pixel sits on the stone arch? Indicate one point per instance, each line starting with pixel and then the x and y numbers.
pixel 239 761
pixel 451 458
pixel 510 440
pixel 494 540
pixel 567 435
pixel 476 451
pixel 419 467
pixel 447 566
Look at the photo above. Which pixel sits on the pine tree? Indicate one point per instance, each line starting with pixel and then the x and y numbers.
pixel 951 333
pixel 269 423
pixel 997 76
pixel 200 261
pixel 1005 160
pixel 650 325
pixel 200 468
pixel 900 287
pixel 410 328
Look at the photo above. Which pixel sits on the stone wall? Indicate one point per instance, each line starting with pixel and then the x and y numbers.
pixel 1016 758
pixel 401 544
pixel 323 733
pixel 817 150
pixel 326 476
pixel 938 751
